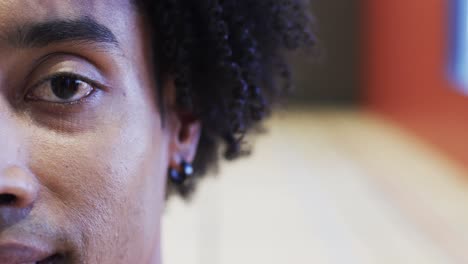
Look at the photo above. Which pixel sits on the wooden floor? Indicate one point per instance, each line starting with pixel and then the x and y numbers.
pixel 326 187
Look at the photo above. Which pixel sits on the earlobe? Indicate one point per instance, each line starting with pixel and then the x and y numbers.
pixel 183 147
pixel 185 135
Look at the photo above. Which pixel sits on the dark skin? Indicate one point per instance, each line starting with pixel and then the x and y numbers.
pixel 83 172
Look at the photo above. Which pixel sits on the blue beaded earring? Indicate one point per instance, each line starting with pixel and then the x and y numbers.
pixel 180 177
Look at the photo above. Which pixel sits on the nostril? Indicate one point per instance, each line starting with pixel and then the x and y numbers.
pixel 7 199
pixel 18 188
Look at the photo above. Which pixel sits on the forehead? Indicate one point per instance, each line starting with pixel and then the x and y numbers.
pixel 18 12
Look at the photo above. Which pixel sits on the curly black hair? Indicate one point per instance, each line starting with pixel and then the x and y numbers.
pixel 227 58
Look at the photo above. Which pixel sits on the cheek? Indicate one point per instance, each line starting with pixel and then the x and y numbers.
pixel 109 183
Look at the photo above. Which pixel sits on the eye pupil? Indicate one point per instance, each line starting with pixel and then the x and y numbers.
pixel 65 87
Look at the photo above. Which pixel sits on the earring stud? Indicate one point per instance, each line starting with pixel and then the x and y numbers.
pixel 180 177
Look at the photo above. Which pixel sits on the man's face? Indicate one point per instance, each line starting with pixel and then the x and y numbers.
pixel 83 155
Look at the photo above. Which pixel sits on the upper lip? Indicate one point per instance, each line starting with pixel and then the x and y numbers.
pixel 23 253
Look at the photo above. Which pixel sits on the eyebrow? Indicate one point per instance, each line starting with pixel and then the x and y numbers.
pixel 84 29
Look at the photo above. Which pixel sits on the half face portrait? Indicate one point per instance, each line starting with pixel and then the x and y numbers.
pixel 108 108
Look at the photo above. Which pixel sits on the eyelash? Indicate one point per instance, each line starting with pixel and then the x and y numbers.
pixel 94 85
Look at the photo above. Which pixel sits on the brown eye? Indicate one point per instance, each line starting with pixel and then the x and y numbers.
pixel 61 89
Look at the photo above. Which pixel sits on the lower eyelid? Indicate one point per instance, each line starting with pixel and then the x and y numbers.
pixel 71 117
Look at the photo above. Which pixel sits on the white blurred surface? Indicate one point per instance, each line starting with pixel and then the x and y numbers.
pixel 325 187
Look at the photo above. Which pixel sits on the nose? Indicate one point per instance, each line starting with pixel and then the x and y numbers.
pixel 18 188
pixel 18 185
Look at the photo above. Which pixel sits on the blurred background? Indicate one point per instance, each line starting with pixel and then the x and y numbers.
pixel 367 164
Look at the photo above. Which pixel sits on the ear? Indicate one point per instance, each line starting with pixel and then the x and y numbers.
pixel 184 131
